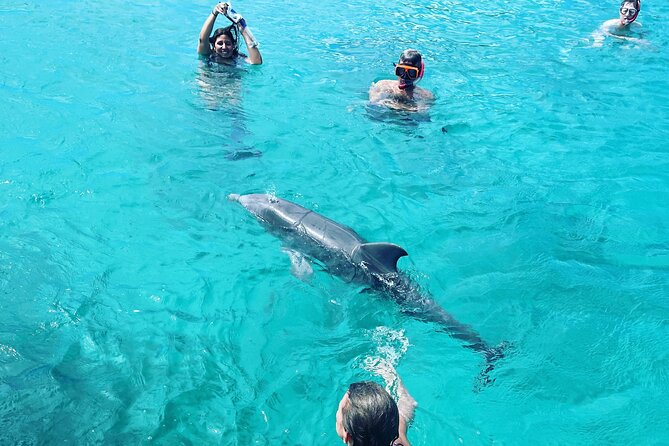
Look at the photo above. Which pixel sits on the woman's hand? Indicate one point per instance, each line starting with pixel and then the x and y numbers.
pixel 220 8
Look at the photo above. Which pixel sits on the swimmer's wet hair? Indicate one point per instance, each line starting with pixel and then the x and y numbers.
pixel 411 57
pixel 371 416
pixel 232 32
pixel 637 4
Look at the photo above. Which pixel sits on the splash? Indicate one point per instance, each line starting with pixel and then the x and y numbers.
pixel 391 345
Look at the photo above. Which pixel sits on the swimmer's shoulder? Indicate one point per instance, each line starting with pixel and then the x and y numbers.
pixel 614 25
pixel 384 84
pixel 426 94
pixel 611 24
pixel 381 90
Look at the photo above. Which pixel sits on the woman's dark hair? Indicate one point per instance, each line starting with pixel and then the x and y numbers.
pixel 411 57
pixel 371 417
pixel 637 4
pixel 230 31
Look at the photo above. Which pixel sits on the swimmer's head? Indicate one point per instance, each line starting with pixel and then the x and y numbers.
pixel 629 11
pixel 225 42
pixel 409 69
pixel 367 415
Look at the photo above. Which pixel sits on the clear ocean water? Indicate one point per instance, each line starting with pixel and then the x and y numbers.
pixel 139 306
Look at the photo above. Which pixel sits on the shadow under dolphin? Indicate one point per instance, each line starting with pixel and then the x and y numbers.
pixel 353 259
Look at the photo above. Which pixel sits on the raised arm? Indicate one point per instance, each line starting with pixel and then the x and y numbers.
pixel 405 402
pixel 407 406
pixel 254 56
pixel 203 46
pixel 252 45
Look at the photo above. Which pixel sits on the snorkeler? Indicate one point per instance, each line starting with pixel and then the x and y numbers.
pixel 403 94
pixel 629 11
pixel 622 26
pixel 223 46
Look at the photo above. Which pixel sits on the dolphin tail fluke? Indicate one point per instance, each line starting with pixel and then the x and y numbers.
pixel 383 256
pixel 491 355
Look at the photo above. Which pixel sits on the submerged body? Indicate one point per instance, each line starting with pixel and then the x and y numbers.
pixel 349 256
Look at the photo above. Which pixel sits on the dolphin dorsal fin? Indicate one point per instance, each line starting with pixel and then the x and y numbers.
pixel 382 256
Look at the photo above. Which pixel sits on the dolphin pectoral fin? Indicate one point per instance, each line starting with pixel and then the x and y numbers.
pixel 382 256
pixel 300 266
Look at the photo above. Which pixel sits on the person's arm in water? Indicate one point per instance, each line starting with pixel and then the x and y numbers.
pixel 203 46
pixel 406 404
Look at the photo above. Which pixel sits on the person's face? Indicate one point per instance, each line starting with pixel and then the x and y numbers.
pixel 224 46
pixel 627 13
pixel 409 76
pixel 340 418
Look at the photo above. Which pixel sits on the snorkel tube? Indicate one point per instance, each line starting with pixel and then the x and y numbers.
pixel 638 10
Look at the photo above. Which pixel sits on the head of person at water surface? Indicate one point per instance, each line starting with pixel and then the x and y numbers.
pixel 225 42
pixel 367 416
pixel 409 69
pixel 629 11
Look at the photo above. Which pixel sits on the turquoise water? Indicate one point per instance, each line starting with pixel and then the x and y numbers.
pixel 140 306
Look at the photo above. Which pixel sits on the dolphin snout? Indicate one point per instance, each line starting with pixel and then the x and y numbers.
pixel 253 203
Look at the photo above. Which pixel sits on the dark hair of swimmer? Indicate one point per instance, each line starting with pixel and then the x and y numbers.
pixel 637 4
pixel 371 417
pixel 411 57
pixel 232 32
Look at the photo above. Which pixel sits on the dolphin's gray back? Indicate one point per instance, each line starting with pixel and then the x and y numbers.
pixel 282 215
pixel 322 238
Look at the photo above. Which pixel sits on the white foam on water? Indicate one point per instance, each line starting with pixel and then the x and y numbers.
pixel 391 345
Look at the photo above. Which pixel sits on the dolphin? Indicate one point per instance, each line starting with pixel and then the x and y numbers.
pixel 350 257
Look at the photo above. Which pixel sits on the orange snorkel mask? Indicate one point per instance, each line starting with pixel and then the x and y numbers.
pixel 409 75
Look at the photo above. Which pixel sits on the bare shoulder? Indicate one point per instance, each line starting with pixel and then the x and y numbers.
pixel 383 85
pixel 610 23
pixel 426 94
pixel 380 90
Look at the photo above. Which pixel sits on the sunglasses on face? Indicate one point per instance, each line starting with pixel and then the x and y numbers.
pixel 406 71
pixel 626 11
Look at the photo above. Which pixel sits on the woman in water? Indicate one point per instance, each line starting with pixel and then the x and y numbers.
pixel 403 94
pixel 223 46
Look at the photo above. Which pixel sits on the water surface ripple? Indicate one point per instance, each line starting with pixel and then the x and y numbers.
pixel 140 306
